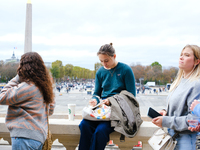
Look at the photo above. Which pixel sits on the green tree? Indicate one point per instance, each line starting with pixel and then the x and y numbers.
pixel 57 70
pixel 157 69
pixel 76 72
pixel 57 63
pixel 157 65
pixel 97 66
pixel 68 69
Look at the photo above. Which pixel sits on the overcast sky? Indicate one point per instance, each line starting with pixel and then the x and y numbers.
pixel 142 31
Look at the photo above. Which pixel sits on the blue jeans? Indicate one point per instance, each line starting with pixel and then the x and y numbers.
pixel 94 134
pixel 19 143
pixel 184 141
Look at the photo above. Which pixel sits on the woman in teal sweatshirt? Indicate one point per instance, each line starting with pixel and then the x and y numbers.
pixel 27 95
pixel 111 79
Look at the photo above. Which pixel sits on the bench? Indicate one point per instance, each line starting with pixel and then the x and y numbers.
pixel 68 133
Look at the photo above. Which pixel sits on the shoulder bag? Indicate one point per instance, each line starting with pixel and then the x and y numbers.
pixel 100 112
pixel 161 140
pixel 49 141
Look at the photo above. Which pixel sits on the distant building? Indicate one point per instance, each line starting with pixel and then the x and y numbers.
pixel 16 60
pixel 48 64
pixel 13 59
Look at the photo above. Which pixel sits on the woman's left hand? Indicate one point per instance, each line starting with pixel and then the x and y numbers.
pixel 106 102
pixel 158 121
pixel 196 129
pixel 194 103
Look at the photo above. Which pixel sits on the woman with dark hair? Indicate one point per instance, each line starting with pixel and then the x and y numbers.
pixel 28 95
pixel 111 79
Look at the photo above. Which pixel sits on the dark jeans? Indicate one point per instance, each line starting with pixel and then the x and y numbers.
pixel 94 134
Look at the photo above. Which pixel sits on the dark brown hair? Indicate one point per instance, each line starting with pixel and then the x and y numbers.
pixel 32 69
pixel 106 49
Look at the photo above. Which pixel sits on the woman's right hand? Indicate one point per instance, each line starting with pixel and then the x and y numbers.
pixel 163 112
pixel 158 121
pixel 93 102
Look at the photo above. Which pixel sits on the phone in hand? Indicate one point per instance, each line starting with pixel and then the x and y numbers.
pixel 153 113
pixel 97 105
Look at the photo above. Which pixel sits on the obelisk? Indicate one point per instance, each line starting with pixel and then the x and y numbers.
pixel 28 28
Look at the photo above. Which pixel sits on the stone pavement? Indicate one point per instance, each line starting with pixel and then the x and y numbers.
pixel 157 101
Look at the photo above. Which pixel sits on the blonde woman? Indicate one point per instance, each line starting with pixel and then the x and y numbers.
pixel 183 91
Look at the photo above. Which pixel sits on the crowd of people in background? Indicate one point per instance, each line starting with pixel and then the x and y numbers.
pixel 68 86
pixel 153 90
pixel 83 86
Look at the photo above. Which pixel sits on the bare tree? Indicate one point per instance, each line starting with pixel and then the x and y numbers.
pixel 139 71
pixel 8 71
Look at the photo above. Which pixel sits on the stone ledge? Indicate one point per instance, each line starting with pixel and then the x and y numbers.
pixel 65 116
pixel 68 133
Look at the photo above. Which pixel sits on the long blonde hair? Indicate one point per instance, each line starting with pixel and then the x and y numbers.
pixel 196 71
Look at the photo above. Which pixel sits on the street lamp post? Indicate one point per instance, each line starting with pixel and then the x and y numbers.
pixel 140 81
